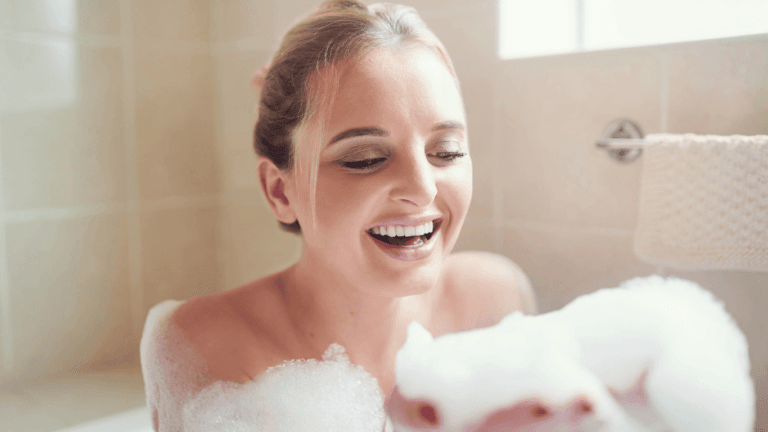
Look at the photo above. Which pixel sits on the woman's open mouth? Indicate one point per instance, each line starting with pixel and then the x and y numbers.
pixel 409 236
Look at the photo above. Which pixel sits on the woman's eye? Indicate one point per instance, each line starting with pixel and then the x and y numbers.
pixel 448 156
pixel 363 164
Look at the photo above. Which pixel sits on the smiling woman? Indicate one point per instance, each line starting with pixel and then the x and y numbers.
pixel 363 150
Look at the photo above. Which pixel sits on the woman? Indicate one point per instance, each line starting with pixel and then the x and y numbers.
pixel 363 149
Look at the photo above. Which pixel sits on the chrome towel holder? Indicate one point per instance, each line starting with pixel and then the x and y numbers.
pixel 623 140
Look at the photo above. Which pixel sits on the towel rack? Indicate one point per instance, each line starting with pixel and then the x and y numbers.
pixel 623 140
pixel 621 143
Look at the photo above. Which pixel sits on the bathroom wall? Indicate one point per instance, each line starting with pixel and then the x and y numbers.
pixel 127 174
pixel 126 171
pixel 66 186
pixel 109 177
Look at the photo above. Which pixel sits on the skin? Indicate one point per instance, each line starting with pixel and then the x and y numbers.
pixel 344 289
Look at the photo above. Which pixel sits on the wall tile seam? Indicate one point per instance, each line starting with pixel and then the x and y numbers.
pixel 650 50
pixel 455 11
pixel 552 227
pixel 124 207
pixel 170 46
pixel 6 331
pixel 43 38
pixel 135 270
pixel 221 254
pixel 664 91
pixel 248 44
pixel 63 213
pixel 750 38
pixel 498 191
pixel 179 202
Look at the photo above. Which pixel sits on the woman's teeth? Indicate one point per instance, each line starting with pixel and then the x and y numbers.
pixel 401 231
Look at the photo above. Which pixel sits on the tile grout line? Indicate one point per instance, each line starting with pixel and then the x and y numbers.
pixel 216 53
pixel 561 227
pixel 151 44
pixel 131 150
pixel 498 193
pixel 62 213
pixel 664 109
pixel 6 332
pixel 42 37
pixel 74 212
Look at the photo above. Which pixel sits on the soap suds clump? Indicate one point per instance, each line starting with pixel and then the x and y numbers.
pixel 330 395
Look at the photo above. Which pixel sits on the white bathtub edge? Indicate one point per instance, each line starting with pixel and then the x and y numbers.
pixel 137 420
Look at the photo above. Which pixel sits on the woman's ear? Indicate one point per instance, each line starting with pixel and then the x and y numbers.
pixel 273 183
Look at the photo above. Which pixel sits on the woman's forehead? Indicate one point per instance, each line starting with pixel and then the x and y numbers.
pixel 390 85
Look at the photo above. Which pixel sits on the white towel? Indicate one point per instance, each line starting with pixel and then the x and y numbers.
pixel 704 202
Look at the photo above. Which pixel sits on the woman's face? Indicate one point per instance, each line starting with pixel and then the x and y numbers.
pixel 394 160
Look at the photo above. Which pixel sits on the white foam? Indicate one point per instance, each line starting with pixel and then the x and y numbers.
pixel 331 395
pixel 669 332
pixel 173 370
pixel 470 374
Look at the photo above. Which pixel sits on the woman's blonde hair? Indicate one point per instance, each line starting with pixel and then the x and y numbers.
pixel 304 74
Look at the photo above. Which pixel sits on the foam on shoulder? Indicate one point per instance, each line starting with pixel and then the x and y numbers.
pixel 173 370
pixel 299 395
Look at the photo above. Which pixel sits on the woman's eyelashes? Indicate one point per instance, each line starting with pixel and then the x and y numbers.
pixel 363 160
pixel 363 164
pixel 446 152
pixel 447 157
pixel 368 161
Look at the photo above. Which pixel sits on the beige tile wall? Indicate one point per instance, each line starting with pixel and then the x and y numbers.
pixel 69 287
pixel 174 144
pixel 64 272
pixel 109 176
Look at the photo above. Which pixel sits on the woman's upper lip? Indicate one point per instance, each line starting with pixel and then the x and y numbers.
pixel 407 221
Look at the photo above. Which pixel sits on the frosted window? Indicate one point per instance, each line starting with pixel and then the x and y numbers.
pixel 537 27
pixel 529 28
pixel 39 56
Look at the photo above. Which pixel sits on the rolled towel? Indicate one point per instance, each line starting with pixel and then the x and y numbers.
pixel 704 202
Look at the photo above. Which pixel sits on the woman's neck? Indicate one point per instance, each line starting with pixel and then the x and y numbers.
pixel 323 308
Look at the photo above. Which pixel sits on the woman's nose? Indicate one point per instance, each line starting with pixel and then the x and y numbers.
pixel 415 181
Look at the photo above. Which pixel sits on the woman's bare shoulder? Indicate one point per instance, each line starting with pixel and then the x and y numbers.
pixel 228 336
pixel 187 346
pixel 487 287
pixel 178 341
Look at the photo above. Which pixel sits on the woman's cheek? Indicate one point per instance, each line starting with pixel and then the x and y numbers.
pixel 462 184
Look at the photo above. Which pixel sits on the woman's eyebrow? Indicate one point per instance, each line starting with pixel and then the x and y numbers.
pixel 376 131
pixel 450 124
pixel 349 133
